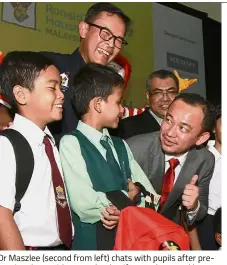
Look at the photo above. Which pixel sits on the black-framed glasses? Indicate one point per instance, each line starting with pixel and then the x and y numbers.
pixel 107 35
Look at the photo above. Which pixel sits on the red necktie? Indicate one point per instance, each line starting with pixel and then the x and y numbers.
pixel 63 212
pixel 168 180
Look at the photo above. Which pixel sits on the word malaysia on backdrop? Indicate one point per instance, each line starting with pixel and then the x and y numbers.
pixel 109 258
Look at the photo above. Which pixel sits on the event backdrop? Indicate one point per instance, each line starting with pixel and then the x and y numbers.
pixel 159 37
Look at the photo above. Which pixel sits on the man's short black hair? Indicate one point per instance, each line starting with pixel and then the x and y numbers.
pixel 217 221
pixel 97 8
pixel 93 80
pixel 193 99
pixel 162 74
pixel 21 68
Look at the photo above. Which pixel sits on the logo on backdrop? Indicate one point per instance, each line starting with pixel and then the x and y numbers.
pixel 21 14
pixel 182 63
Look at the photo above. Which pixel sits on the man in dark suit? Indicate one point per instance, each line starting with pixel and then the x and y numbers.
pixel 161 88
pixel 102 36
pixel 187 125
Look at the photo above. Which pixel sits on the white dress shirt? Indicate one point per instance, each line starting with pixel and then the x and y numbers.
pixel 37 218
pixel 215 183
pixel 182 158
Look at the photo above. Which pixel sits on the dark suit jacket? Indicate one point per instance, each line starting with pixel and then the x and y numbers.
pixel 139 124
pixel 148 153
pixel 70 64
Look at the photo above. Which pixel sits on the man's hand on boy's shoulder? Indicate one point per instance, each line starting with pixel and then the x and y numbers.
pixel 110 217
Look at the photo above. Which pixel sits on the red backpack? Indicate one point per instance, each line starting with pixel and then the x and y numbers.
pixel 144 229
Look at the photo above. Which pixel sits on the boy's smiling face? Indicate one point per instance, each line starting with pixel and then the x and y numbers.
pixel 43 104
pixel 112 108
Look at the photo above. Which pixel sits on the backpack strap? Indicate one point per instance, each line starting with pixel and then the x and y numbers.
pixel 24 163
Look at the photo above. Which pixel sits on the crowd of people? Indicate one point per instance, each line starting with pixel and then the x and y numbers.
pixel 83 158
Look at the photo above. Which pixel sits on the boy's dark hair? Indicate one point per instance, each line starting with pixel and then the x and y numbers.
pixel 21 68
pixel 217 221
pixel 193 99
pixel 93 80
pixel 218 112
pixel 162 74
pixel 97 8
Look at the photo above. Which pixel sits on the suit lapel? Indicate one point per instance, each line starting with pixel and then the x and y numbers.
pixel 187 171
pixel 150 118
pixel 156 164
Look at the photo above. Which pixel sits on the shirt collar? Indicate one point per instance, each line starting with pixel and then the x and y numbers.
pixel 181 158
pixel 92 134
pixel 30 130
pixel 158 119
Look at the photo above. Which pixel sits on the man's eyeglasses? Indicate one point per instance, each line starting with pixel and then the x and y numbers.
pixel 160 93
pixel 106 35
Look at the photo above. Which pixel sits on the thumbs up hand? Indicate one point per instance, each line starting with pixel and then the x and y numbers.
pixel 191 194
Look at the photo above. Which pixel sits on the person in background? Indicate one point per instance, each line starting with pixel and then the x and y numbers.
pixel 217 223
pixel 205 231
pixel 161 88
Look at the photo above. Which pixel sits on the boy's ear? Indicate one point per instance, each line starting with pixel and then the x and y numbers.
pixel 83 29
pixel 21 94
pixel 218 238
pixel 98 104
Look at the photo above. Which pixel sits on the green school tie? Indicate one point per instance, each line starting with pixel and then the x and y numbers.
pixel 111 161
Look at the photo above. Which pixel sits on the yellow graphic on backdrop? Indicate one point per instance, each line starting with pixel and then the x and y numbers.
pixel 184 83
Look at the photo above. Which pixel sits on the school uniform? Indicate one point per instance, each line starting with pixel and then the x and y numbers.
pixel 37 219
pixel 89 178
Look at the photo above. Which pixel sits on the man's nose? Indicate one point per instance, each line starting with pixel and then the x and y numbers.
pixel 165 96
pixel 172 131
pixel 111 42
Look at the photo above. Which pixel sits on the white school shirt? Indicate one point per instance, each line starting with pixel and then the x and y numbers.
pixel 37 218
pixel 216 181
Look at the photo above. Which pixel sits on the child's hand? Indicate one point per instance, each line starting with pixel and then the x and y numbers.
pixel 110 217
pixel 133 190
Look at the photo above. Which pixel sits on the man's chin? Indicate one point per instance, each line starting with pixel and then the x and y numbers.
pixel 168 149
pixel 102 60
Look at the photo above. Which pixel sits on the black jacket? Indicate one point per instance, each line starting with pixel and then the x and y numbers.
pixel 139 124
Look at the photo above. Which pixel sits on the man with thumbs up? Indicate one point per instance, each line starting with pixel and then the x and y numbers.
pixel 175 161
